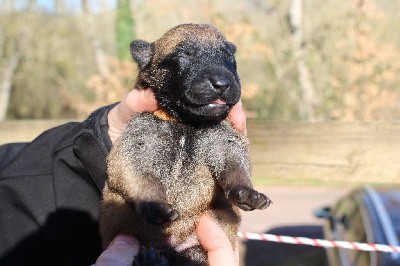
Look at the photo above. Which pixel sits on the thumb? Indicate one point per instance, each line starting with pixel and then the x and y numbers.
pixel 120 252
pixel 238 118
pixel 214 240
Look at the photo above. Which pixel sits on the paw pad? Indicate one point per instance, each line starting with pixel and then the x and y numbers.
pixel 248 199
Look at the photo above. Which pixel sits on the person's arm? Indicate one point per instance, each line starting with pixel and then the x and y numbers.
pixel 124 248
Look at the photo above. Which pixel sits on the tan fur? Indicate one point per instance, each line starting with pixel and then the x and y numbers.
pixel 167 44
pixel 162 114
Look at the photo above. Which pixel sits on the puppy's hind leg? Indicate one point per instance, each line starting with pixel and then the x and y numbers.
pixel 151 202
pixel 134 208
pixel 143 191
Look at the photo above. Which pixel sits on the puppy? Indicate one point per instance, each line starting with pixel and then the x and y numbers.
pixel 171 166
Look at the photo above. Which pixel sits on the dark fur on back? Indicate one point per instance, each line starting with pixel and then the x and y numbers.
pixel 163 174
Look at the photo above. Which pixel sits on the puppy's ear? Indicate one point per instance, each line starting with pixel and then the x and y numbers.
pixel 141 52
pixel 231 47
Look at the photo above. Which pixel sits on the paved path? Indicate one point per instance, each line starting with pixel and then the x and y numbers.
pixel 291 206
pixel 290 214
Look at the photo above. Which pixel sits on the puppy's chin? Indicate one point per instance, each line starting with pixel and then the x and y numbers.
pixel 210 113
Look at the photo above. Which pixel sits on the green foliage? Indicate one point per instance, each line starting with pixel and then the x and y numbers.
pixel 124 29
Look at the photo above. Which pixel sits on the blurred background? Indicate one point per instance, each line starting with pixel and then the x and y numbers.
pixel 308 60
pixel 320 86
pixel 320 77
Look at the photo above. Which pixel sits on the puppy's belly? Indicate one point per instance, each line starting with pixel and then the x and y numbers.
pixel 191 191
pixel 170 153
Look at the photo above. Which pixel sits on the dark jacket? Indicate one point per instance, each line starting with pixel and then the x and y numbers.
pixel 50 192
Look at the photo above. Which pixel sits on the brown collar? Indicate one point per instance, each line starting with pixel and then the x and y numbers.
pixel 162 114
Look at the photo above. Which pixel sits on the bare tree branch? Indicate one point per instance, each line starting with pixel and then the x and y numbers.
pixel 309 100
pixel 6 84
pixel 100 57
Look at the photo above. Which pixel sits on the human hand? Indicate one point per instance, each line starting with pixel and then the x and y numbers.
pixel 135 102
pixel 144 101
pixel 120 252
pixel 238 118
pixel 213 239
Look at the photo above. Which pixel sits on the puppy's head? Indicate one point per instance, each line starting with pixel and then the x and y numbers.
pixel 192 71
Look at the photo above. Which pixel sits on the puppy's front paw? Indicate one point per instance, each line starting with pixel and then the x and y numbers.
pixel 158 213
pixel 248 199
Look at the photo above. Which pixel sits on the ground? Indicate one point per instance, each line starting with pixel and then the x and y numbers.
pixel 290 214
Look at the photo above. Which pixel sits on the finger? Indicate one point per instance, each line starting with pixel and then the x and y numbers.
pixel 237 252
pixel 140 101
pixel 135 102
pixel 120 252
pixel 214 240
pixel 238 118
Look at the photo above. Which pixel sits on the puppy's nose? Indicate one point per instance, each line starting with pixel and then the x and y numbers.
pixel 221 83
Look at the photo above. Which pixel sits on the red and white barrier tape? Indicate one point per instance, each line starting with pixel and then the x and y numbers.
pixel 320 242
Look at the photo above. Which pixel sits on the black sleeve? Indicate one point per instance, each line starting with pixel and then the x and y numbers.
pixel 50 192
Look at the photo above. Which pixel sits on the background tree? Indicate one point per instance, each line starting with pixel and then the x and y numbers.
pixel 59 7
pixel 124 28
pixel 308 104
pixel 95 40
pixel 17 44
